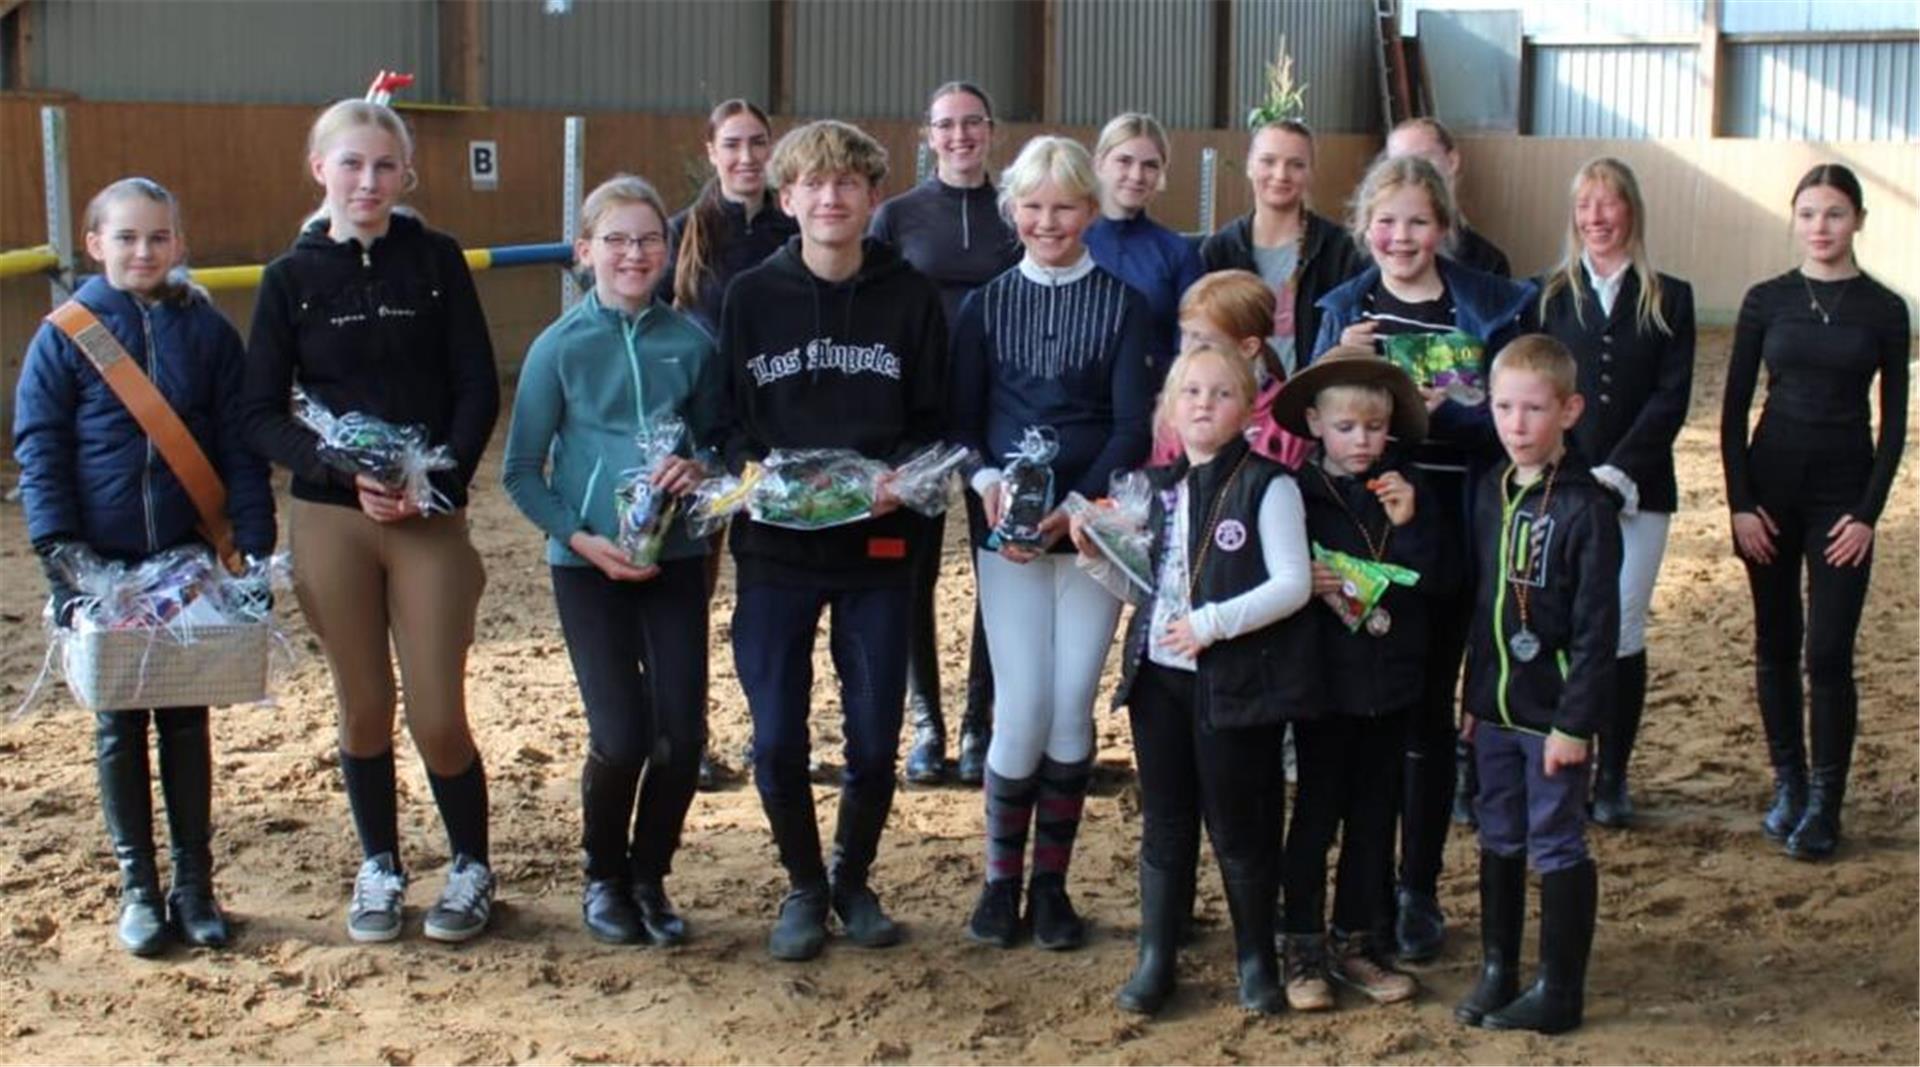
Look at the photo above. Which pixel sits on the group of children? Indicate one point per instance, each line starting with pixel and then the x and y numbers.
pixel 1363 468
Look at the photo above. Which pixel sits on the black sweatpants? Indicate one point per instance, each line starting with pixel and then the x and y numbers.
pixel 1191 772
pixel 639 652
pixel 1347 769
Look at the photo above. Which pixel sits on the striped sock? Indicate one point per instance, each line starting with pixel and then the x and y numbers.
pixel 1009 812
pixel 1063 795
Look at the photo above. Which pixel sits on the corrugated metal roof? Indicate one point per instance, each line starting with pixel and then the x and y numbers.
pixel 1136 55
pixel 668 55
pixel 1614 91
pixel 1334 45
pixel 858 59
pixel 223 51
pixel 1823 91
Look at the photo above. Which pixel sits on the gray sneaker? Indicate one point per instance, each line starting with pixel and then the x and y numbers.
pixel 465 904
pixel 379 890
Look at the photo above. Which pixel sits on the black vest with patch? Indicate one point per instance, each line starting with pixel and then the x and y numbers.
pixel 1257 679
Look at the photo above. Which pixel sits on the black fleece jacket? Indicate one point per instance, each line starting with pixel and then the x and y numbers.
pixel 393 329
pixel 859 364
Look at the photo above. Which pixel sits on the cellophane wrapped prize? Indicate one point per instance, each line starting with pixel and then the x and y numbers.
pixel 174 630
pixel 812 489
pixel 1363 582
pixel 921 482
pixel 395 456
pixel 1117 525
pixel 1026 487
pixel 1449 361
pixel 646 512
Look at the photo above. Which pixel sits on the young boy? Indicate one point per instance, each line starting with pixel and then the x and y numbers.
pixel 1539 679
pixel 833 342
pixel 1363 498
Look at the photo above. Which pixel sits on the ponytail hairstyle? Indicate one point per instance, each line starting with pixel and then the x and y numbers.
pixel 1125 127
pixel 177 289
pixel 694 259
pixel 350 114
pixel 949 88
pixel 1387 175
pixel 1833 176
pixel 1617 177
pixel 1241 305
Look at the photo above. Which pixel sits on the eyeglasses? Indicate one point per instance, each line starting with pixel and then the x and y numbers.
pixel 969 123
pixel 646 244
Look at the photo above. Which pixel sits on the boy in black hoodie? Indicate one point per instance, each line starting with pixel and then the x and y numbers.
pixel 833 342
pixel 1363 498
pixel 1540 663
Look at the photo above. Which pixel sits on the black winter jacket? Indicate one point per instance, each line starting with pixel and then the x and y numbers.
pixel 1569 563
pixel 742 243
pixel 1367 675
pixel 1636 381
pixel 859 364
pixel 1328 257
pixel 393 329
pixel 1269 676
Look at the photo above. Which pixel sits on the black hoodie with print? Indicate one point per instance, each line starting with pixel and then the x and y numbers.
pixel 858 364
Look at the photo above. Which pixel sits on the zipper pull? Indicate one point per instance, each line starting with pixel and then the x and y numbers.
pixel 366 258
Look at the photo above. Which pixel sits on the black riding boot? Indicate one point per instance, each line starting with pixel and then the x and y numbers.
pixel 606 805
pixel 856 840
pixel 1250 902
pixel 1612 807
pixel 976 723
pixel 1165 898
pixel 186 778
pixel 1778 688
pixel 1466 782
pixel 927 759
pixel 1503 910
pixel 126 799
pixel 1569 899
pixel 1835 718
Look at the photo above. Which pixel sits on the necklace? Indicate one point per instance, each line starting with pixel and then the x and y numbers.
pixel 1213 521
pixel 1813 302
pixel 1525 644
pixel 1379 622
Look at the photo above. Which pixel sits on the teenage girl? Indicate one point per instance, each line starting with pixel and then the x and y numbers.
pixel 1056 342
pixel 950 228
pixel 609 369
pixel 1430 139
pixel 1630 329
pixel 1232 310
pixel 1403 214
pixel 1131 162
pixel 92 483
pixel 734 223
pixel 372 312
pixel 1300 255
pixel 1807 488
pixel 1214 666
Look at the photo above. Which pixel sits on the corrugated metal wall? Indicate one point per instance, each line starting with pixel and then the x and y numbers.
pixel 1333 43
pixel 859 59
pixel 1582 18
pixel 668 55
pixel 227 50
pixel 1817 16
pixel 1136 55
pixel 1613 91
pixel 1823 91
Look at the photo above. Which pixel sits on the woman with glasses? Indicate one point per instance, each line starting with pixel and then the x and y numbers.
pixel 950 228
pixel 619 365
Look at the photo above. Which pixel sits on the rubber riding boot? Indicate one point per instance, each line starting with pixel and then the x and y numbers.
pixel 1250 901
pixel 927 759
pixel 126 800
pixel 1503 911
pixel 1164 901
pixel 1835 718
pixel 856 840
pixel 186 779
pixel 1778 689
pixel 1554 1004
pixel 1612 807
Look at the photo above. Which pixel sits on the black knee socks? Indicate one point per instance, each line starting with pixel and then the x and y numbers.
pixel 462 799
pixel 369 781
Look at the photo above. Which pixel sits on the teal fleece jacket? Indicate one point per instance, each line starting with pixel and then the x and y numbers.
pixel 591 381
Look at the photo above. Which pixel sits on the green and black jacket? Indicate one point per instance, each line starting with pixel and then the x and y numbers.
pixel 1569 562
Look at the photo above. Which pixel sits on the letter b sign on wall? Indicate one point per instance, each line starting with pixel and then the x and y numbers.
pixel 483 164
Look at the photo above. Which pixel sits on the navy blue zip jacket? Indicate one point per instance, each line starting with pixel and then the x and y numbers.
pixel 1485 305
pixel 1160 264
pixel 88 472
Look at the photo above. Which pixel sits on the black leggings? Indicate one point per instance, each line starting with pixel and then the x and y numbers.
pixel 639 652
pixel 1347 767
pixel 923 651
pixel 1425 780
pixel 1189 771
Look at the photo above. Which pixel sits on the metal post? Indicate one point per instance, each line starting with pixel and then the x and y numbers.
pixel 53 156
pixel 922 163
pixel 570 193
pixel 1209 163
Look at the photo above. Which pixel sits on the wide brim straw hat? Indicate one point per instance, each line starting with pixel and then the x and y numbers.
pixel 1352 365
